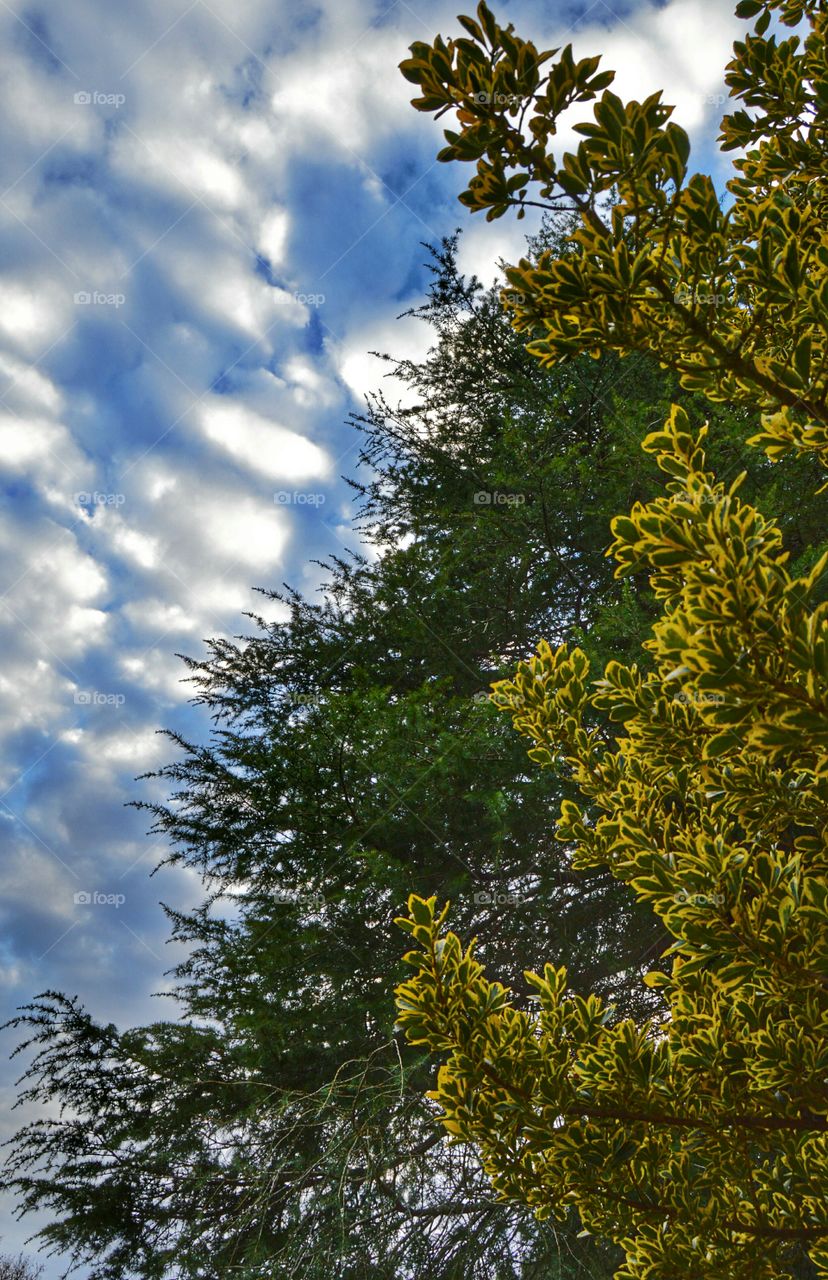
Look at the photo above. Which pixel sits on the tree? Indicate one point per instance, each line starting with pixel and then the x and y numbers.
pixel 19 1268
pixel 275 1127
pixel 353 760
pixel 733 299
pixel 696 1140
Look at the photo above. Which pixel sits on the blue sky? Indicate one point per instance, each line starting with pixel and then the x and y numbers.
pixel 211 213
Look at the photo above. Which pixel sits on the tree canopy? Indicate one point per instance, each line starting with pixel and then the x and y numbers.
pixel 730 294
pixel 696 1139
pixel 276 1126
pixel 355 758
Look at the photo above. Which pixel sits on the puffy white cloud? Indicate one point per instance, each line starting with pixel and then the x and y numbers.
pixel 308 385
pixel 172 160
pixel 26 442
pixel 273 235
pixel 262 445
pixel 159 615
pixel 483 247
pixel 31 314
pixel 141 548
pixel 229 291
pixel 346 97
pixel 363 371
pixel 244 531
pixel 680 47
pixel 138 750
pixel 26 387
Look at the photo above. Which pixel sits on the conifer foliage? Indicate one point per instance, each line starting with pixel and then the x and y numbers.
pixel 274 1127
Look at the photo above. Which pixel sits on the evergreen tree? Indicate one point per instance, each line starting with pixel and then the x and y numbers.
pixel 276 1128
pixel 18 1268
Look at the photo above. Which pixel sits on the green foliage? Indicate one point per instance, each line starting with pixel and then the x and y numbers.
pixel 733 299
pixel 276 1127
pixel 696 1139
pixel 18 1268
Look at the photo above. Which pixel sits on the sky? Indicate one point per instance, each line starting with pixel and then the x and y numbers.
pixel 210 214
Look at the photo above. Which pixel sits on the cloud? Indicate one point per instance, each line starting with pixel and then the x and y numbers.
pixel 244 531
pixel 347 103
pixel 273 235
pixel 681 48
pixel 29 316
pixel 261 445
pixel 362 370
pixel 24 444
